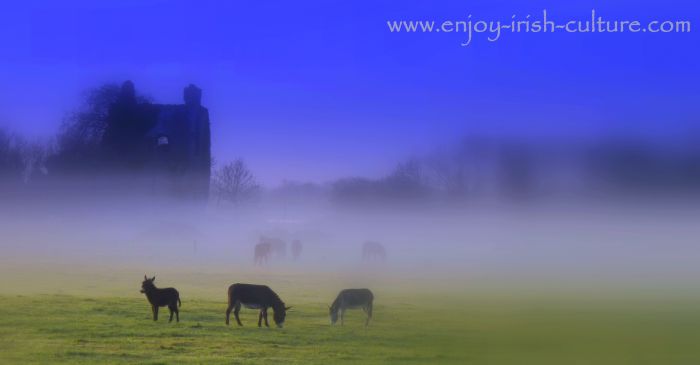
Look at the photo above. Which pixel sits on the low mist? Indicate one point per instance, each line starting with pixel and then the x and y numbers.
pixel 549 243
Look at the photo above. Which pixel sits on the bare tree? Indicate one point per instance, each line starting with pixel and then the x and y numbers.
pixel 80 137
pixel 448 174
pixel 11 152
pixel 85 126
pixel 461 169
pixel 408 180
pixel 34 157
pixel 234 182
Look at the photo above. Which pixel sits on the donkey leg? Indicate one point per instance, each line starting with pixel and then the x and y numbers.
pixel 235 313
pixel 260 318
pixel 265 317
pixel 228 313
pixel 155 312
pixel 177 314
pixel 170 308
pixel 342 314
pixel 369 313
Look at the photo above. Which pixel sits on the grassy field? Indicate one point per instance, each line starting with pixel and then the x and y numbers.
pixel 84 315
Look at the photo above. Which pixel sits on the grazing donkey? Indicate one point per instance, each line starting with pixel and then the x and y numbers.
pixel 262 253
pixel 349 299
pixel 278 247
pixel 372 250
pixel 161 298
pixel 296 249
pixel 255 297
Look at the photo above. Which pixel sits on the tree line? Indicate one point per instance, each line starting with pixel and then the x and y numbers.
pixel 467 169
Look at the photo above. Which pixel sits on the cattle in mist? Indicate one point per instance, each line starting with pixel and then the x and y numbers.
pixel 161 297
pixel 278 248
pixel 296 249
pixel 255 297
pixel 372 250
pixel 351 299
pixel 262 253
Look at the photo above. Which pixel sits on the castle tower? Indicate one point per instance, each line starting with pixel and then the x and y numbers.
pixel 192 96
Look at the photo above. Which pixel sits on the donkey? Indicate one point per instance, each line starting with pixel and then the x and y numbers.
pixel 372 250
pixel 296 249
pixel 262 253
pixel 278 246
pixel 255 297
pixel 349 299
pixel 161 298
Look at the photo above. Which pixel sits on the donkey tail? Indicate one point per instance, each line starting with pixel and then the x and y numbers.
pixel 179 303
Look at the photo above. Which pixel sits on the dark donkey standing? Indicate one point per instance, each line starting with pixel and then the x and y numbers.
pixel 255 297
pixel 349 299
pixel 161 298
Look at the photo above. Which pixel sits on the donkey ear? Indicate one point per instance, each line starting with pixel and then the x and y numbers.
pixel 153 278
pixel 145 277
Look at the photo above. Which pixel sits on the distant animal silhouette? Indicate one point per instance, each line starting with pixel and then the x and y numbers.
pixel 296 249
pixel 277 246
pixel 161 298
pixel 262 253
pixel 372 250
pixel 255 297
pixel 349 299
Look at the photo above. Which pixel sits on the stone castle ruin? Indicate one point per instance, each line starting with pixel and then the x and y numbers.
pixel 167 145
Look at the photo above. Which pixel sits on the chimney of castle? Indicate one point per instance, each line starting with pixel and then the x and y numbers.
pixel 193 96
pixel 127 94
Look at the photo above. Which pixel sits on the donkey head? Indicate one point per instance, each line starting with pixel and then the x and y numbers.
pixel 333 313
pixel 147 284
pixel 279 315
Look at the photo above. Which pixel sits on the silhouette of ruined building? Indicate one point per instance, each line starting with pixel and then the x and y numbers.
pixel 167 146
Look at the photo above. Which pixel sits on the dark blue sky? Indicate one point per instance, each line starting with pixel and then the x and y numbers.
pixel 311 90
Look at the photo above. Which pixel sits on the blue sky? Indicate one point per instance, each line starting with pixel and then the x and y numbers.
pixel 312 90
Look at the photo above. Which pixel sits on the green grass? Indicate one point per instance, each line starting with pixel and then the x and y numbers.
pixel 468 327
pixel 69 329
